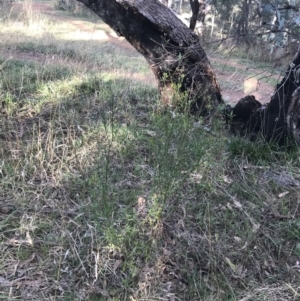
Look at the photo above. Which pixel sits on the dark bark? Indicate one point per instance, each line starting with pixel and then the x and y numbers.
pixel 283 105
pixel 276 121
pixel 199 10
pixel 195 6
pixel 172 50
pixel 245 118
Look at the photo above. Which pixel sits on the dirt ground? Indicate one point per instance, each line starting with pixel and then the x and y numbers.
pixel 236 80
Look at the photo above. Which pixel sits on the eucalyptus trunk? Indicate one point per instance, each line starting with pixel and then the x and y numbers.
pixel 173 51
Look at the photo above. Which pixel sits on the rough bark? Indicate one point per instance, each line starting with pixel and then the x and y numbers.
pixel 281 116
pixel 172 50
pixel 279 119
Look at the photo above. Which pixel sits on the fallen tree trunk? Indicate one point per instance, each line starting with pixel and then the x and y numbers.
pixel 173 51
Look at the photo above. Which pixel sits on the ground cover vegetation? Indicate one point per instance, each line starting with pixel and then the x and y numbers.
pixel 106 194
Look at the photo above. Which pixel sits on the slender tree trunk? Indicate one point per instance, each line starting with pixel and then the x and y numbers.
pixel 172 50
pixel 179 9
pixel 199 10
pixel 195 6
pixel 243 26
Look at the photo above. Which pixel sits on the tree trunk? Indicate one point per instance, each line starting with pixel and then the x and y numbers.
pixel 280 118
pixel 182 68
pixel 195 6
pixel 172 50
pixel 243 24
pixel 199 11
pixel 179 9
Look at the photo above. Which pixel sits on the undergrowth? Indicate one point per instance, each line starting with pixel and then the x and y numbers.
pixel 106 196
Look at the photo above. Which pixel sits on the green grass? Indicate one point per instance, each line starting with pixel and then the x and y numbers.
pixel 105 195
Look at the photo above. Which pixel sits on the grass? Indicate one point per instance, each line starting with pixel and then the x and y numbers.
pixel 104 195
